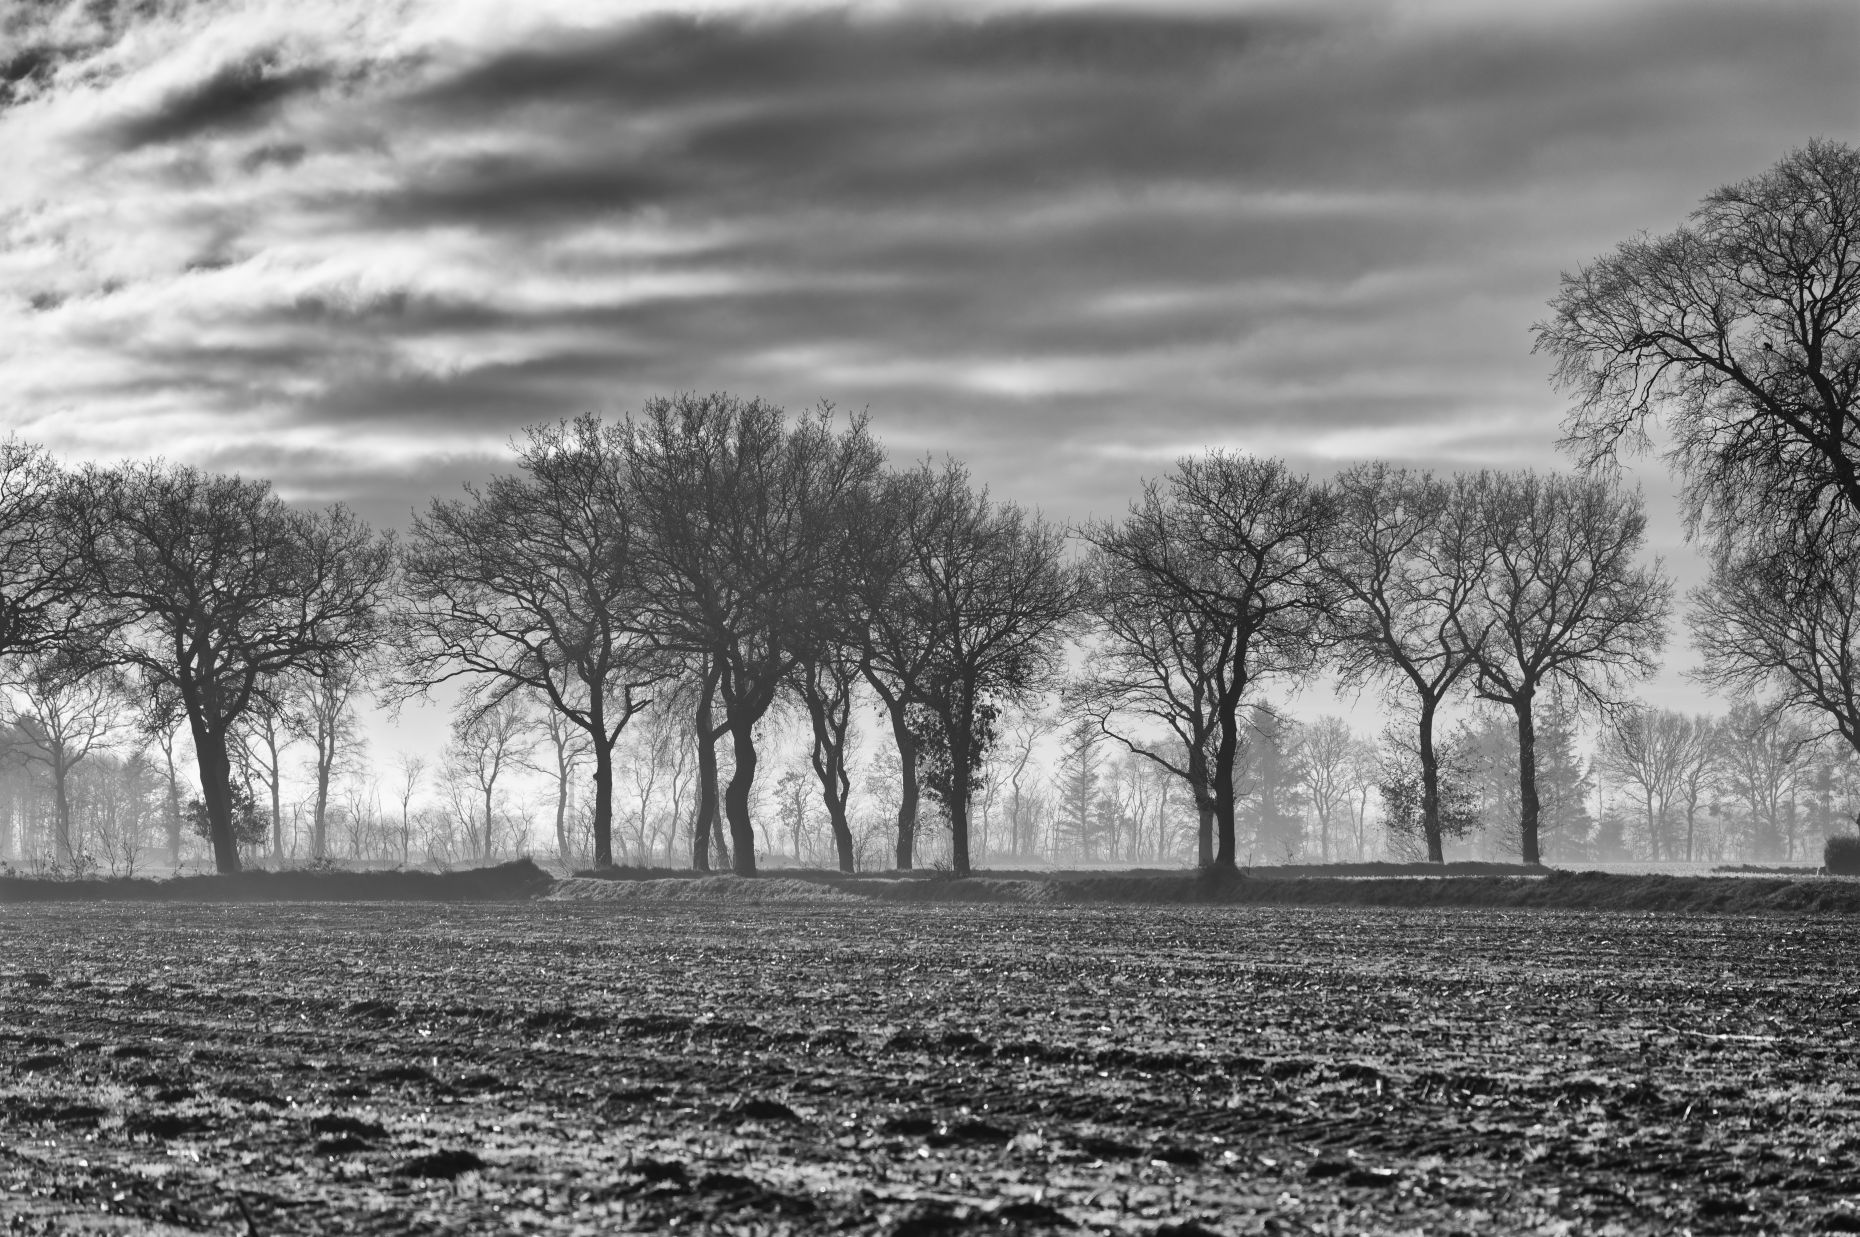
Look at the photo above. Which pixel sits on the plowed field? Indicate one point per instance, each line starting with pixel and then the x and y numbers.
pixel 599 1067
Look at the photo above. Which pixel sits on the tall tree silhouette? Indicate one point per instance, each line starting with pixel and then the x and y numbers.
pixel 1740 333
pixel 1407 559
pixel 751 535
pixel 1211 583
pixel 534 584
pixel 1563 599
pixel 212 586
pixel 1785 617
pixel 998 598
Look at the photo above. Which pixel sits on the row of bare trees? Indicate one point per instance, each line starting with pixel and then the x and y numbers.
pixel 1234 571
pixel 1757 782
pixel 709 550
pixel 713 552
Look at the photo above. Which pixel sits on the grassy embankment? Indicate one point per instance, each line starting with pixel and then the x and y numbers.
pixel 1495 886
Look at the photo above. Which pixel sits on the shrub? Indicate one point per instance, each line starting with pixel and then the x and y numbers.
pixel 1841 856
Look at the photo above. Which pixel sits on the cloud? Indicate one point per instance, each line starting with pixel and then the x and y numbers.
pixel 1066 242
pixel 240 94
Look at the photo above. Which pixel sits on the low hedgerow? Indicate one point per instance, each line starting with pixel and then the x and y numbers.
pixel 1841 856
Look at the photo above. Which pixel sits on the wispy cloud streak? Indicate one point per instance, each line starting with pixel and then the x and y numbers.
pixel 353 244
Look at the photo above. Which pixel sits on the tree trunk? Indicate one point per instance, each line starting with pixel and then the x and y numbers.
pixel 907 786
pixel 173 821
pixel 277 805
pixel 1653 831
pixel 216 793
pixel 828 758
pixel 561 814
pixel 1199 785
pixel 1527 780
pixel 1225 848
pixel 719 843
pixel 736 797
pixel 829 761
pixel 603 800
pixel 319 820
pixel 706 821
pixel 960 787
pixel 1430 787
pixel 61 814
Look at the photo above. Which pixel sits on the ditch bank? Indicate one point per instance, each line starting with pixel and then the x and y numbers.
pixel 506 882
pixel 1549 890
pixel 523 880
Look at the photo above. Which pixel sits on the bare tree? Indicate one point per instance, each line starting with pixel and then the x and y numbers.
pixel 41 579
pixel 213 586
pixel 61 717
pixel 1695 761
pixel 1408 558
pixel 1015 753
pixel 707 823
pixel 1785 617
pixel 487 744
pixel 1765 754
pixel 1160 656
pixel 1740 332
pixel 751 537
pixel 533 584
pixel 1329 748
pixel 259 741
pixel 1211 584
pixel 1362 780
pixel 412 771
pixel 826 679
pixel 899 635
pixel 1653 750
pixel 159 717
pixel 320 710
pixel 992 585
pixel 663 761
pixel 1562 600
pixel 568 746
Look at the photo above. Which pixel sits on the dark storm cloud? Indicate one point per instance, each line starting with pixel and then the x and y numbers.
pixel 672 61
pixel 1065 244
pixel 505 190
pixel 239 94
pixel 844 110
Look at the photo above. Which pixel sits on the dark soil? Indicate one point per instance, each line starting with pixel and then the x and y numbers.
pixel 871 1068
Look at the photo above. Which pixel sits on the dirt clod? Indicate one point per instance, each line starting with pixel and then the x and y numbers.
pixel 337 1123
pixel 442 1165
pixel 765 1110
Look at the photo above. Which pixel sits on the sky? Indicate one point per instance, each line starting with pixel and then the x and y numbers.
pixel 355 245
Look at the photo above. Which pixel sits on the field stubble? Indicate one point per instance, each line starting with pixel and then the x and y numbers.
pixel 600 1066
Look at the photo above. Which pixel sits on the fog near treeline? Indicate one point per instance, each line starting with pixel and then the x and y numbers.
pixel 1080 765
